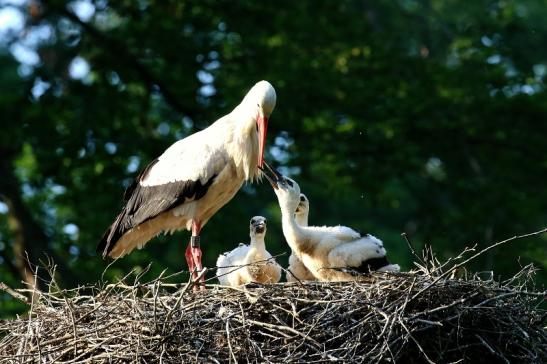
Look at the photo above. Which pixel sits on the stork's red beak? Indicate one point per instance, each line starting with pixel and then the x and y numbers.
pixel 262 130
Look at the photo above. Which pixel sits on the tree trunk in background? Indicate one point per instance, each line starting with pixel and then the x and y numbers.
pixel 18 246
pixel 29 242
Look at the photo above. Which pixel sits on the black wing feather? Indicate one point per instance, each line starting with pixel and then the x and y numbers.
pixel 143 203
pixel 370 265
pixel 129 190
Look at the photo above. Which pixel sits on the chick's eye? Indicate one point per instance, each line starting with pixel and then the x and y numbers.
pixel 302 198
pixel 252 221
pixel 289 183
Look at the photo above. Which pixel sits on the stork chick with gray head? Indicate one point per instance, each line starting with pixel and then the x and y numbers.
pixel 330 253
pixel 258 226
pixel 249 263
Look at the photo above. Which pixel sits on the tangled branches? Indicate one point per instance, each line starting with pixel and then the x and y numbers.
pixel 410 317
pixel 428 315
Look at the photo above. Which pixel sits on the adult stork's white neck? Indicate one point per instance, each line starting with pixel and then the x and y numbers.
pixel 247 141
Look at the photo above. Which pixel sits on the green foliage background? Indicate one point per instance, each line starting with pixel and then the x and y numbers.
pixel 426 117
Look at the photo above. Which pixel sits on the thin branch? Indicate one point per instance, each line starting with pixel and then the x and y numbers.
pixel 411 247
pixel 490 247
pixel 14 293
pixel 123 54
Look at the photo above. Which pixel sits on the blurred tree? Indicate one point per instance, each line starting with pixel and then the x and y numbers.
pixel 419 116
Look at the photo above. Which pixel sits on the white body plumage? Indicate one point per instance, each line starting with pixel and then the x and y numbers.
pixel 194 177
pixel 249 263
pixel 324 251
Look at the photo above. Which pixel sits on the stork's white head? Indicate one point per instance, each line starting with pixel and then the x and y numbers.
pixel 260 103
pixel 258 227
pixel 303 206
pixel 261 96
pixel 302 211
pixel 286 189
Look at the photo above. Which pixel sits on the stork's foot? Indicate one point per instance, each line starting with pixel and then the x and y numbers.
pixel 193 256
pixel 199 282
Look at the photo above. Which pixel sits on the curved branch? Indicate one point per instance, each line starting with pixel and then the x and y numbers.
pixel 125 57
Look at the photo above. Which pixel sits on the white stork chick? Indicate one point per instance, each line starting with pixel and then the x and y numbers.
pixel 297 270
pixel 257 264
pixel 302 212
pixel 185 186
pixel 327 252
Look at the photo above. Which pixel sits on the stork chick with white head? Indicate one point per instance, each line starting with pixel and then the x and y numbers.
pixel 249 263
pixel 302 212
pixel 185 186
pixel 326 251
pixel 297 271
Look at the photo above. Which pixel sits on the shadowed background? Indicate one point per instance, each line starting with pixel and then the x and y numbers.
pixel 425 117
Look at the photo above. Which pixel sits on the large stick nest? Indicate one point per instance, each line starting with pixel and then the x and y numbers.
pixel 407 317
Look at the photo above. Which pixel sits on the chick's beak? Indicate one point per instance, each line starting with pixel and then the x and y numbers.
pixel 273 176
pixel 259 228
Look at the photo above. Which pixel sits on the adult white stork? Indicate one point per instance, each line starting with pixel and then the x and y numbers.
pixel 193 179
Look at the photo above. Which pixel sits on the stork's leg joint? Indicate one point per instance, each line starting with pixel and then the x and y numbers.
pixel 194 241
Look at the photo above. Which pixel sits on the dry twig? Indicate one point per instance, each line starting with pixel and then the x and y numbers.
pixel 423 316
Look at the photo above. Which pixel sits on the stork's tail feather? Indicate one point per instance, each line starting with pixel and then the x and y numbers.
pixel 380 264
pixel 111 236
pixel 103 244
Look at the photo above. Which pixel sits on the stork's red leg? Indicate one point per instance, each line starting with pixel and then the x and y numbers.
pixel 189 258
pixel 193 255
